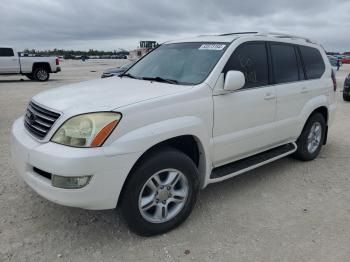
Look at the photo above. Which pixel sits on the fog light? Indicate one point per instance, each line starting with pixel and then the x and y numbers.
pixel 70 182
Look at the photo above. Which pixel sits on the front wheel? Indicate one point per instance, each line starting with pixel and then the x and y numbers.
pixel 41 74
pixel 160 193
pixel 311 139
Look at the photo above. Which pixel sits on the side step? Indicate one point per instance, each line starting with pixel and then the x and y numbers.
pixel 254 161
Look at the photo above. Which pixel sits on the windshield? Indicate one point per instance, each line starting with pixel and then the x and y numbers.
pixel 127 65
pixel 180 63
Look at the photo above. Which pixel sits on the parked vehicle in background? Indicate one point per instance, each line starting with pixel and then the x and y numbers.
pixel 35 68
pixel 335 62
pixel 346 91
pixel 188 114
pixel 117 71
pixel 346 60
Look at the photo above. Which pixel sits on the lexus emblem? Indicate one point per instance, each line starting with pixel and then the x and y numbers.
pixel 31 117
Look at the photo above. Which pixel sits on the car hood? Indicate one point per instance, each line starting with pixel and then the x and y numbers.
pixel 104 94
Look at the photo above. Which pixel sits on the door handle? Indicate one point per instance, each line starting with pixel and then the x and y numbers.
pixel 269 96
pixel 304 90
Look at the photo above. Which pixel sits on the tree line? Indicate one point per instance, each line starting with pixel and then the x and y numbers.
pixel 68 54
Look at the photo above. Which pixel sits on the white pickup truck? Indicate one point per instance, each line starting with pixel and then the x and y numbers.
pixel 35 68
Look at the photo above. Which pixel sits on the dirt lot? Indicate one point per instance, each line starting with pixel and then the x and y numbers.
pixel 285 211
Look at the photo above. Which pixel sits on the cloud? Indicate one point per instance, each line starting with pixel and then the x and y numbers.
pixel 110 24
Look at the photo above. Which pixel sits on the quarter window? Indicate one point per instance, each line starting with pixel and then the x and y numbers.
pixel 313 62
pixel 6 52
pixel 285 65
pixel 251 60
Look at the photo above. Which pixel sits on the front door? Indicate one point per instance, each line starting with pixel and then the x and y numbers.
pixel 244 119
pixel 9 63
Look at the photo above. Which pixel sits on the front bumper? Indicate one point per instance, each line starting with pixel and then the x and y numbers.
pixel 109 172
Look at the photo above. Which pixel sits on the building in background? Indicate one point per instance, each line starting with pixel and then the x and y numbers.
pixel 144 48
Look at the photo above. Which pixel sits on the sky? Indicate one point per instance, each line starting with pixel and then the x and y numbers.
pixel 113 24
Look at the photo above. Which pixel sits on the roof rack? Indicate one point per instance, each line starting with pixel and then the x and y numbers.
pixel 238 33
pixel 283 35
pixel 272 34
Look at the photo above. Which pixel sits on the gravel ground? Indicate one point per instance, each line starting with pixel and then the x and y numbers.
pixel 284 211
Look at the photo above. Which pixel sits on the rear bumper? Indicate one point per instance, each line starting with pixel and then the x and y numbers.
pixel 108 172
pixel 331 114
pixel 58 69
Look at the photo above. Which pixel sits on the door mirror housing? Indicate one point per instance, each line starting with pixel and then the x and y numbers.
pixel 234 80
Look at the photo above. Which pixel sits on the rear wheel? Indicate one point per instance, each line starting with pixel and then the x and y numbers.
pixel 311 139
pixel 41 74
pixel 160 193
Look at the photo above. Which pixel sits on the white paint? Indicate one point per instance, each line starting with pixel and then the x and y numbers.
pixel 23 65
pixel 227 125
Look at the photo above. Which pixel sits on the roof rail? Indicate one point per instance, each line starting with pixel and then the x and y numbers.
pixel 238 33
pixel 272 34
pixel 283 35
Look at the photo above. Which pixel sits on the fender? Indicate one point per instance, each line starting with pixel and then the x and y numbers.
pixel 310 106
pixel 142 139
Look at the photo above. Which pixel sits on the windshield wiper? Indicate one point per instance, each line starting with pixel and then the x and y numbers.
pixel 129 75
pixel 160 79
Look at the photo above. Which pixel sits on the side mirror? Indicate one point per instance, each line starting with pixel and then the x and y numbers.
pixel 234 80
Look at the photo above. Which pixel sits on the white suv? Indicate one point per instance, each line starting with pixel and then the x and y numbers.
pixel 190 113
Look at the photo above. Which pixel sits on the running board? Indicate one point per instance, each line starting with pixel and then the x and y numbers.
pixel 249 163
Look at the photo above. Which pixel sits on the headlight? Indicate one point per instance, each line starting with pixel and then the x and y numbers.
pixel 88 130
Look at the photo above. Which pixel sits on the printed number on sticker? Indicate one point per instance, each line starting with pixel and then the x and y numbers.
pixel 211 47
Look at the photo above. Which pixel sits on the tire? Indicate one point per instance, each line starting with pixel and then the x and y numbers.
pixel 41 74
pixel 160 166
pixel 346 97
pixel 309 151
pixel 30 76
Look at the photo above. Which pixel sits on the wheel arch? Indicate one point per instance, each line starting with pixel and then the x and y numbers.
pixel 41 64
pixel 323 110
pixel 190 145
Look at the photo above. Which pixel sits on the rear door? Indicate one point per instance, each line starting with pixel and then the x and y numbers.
pixel 293 93
pixel 291 88
pixel 9 62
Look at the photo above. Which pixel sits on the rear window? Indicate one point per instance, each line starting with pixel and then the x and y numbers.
pixel 313 62
pixel 285 64
pixel 6 51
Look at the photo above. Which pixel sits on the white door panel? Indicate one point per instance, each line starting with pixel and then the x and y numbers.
pixel 9 64
pixel 291 99
pixel 243 122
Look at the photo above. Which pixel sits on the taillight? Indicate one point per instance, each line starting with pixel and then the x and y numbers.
pixel 334 81
pixel 57 61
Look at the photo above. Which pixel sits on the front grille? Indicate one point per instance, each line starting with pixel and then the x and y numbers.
pixel 38 121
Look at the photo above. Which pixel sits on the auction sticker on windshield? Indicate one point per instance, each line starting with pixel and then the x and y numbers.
pixel 212 47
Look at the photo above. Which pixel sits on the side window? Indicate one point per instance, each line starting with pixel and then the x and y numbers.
pixel 6 52
pixel 251 60
pixel 285 64
pixel 313 62
pixel 300 65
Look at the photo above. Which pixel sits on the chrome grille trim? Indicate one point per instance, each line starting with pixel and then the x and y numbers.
pixel 38 120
